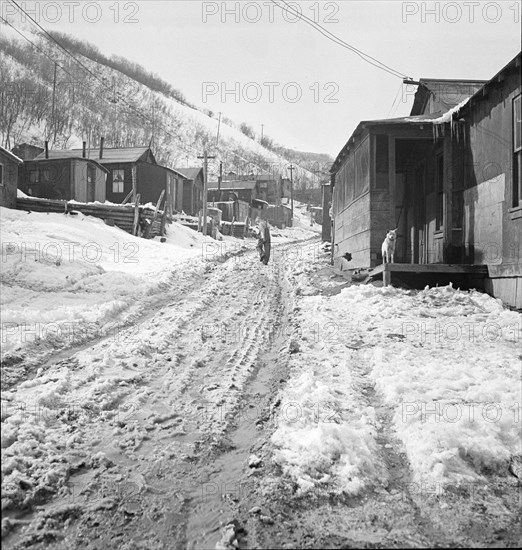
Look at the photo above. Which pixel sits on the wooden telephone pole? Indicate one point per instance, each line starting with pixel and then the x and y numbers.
pixel 292 168
pixel 205 158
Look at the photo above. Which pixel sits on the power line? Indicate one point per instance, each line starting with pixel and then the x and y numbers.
pixel 393 104
pixel 330 36
pixel 56 63
pixel 132 107
pixel 136 110
pixel 341 42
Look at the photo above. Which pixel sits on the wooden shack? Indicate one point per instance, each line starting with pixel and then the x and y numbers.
pixel 128 169
pixel 190 192
pixel 9 166
pixel 245 190
pixel 63 177
pixel 446 179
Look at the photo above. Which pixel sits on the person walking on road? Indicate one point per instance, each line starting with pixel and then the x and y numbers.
pixel 263 241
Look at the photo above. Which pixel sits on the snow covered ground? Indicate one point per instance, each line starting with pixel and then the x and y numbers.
pixel 372 397
pixel 67 279
pixel 445 363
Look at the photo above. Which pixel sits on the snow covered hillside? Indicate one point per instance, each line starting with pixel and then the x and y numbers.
pixel 105 102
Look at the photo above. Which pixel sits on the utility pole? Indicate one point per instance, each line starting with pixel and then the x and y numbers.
pixel 262 128
pixel 219 126
pixel 292 168
pixel 153 125
pixel 54 99
pixel 220 179
pixel 205 158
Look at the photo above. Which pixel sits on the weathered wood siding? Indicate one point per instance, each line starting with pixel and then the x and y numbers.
pixel 326 232
pixel 9 183
pixel 47 179
pixel 79 172
pixel 127 181
pixel 151 181
pixel 351 204
pixel 492 226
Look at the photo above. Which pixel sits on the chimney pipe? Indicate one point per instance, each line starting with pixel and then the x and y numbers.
pixel 46 149
pixel 84 149
pixel 101 147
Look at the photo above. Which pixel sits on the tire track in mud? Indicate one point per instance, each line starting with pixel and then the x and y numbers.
pixel 183 419
pixel 24 365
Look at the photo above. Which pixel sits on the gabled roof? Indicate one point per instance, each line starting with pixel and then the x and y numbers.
pixel 233 185
pixel 114 155
pixel 10 155
pixel 445 93
pixel 189 173
pixel 58 158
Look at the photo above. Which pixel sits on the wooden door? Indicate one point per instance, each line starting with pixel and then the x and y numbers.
pixel 91 183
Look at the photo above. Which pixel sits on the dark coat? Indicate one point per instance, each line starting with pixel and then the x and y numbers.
pixel 263 244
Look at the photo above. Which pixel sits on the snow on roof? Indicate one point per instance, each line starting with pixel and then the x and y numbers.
pixel 448 116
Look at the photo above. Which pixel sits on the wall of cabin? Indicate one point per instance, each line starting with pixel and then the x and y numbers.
pixel 8 181
pixel 492 223
pixel 351 200
pixel 151 181
pixel 47 179
pixel 80 171
pixel 113 196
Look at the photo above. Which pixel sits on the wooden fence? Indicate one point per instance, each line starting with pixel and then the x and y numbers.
pixel 123 216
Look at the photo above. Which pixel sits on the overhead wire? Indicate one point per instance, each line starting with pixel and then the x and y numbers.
pixel 182 145
pixel 332 37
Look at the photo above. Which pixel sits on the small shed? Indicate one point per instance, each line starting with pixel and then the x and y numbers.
pixel 64 177
pixel 128 168
pixel 190 191
pixel 9 165
pixel 246 190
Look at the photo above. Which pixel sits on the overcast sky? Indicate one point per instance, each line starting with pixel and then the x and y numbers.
pixel 204 51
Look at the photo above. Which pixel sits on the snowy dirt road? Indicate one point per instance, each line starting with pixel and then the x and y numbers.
pixel 132 443
pixel 239 415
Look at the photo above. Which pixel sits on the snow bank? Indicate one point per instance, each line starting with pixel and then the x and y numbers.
pixel 66 276
pixel 435 373
pixel 445 362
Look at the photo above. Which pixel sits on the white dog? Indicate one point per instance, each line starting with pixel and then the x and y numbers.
pixel 388 246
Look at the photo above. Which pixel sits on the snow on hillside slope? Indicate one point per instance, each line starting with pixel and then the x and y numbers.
pixel 124 111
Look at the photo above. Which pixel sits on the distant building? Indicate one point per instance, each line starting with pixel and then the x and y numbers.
pixel 9 166
pixel 190 191
pixel 64 177
pixel 246 190
pixel 128 167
